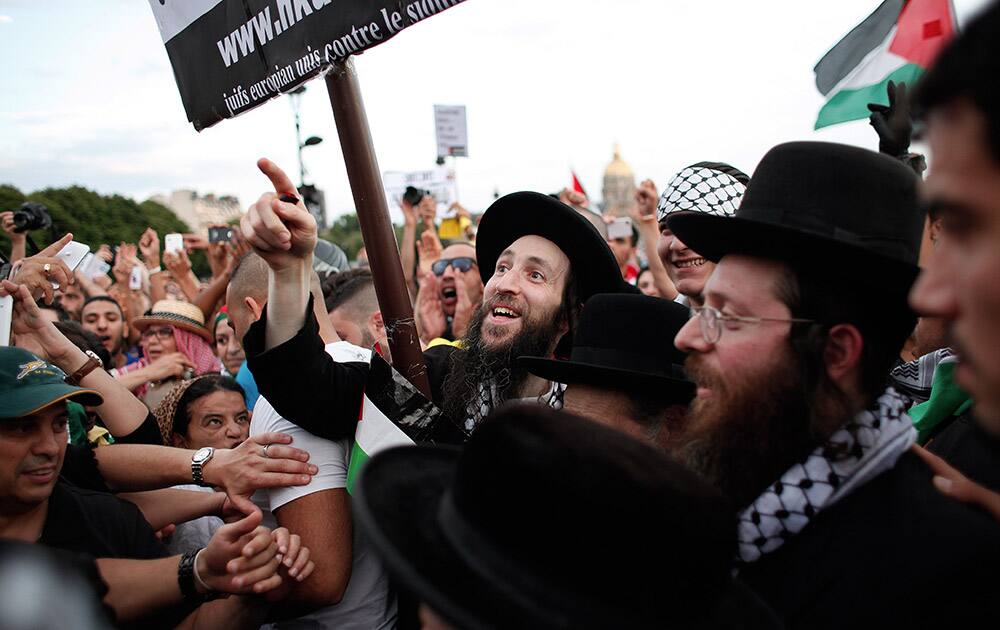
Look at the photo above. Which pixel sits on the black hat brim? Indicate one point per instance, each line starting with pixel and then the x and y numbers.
pixel 530 213
pixel 396 504
pixel 676 390
pixel 714 237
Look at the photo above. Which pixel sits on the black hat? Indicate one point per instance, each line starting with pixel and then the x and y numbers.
pixel 834 207
pixel 530 213
pixel 548 520
pixel 603 355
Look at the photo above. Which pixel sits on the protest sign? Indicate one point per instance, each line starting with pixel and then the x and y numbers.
pixel 440 182
pixel 230 56
pixel 451 130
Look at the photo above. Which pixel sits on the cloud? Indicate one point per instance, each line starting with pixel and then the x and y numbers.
pixel 5 19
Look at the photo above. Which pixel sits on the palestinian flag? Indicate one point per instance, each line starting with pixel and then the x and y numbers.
pixel 895 43
pixel 395 413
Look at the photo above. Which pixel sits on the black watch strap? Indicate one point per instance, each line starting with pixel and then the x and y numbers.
pixel 185 578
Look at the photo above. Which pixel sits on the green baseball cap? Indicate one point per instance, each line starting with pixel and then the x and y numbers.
pixel 29 384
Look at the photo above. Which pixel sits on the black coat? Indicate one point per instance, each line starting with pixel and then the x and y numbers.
pixel 894 554
pixel 306 386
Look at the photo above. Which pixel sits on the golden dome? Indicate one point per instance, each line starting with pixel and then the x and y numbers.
pixel 618 167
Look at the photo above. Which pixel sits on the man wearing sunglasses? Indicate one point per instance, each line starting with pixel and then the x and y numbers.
pixel 539 261
pixel 803 317
pixel 449 295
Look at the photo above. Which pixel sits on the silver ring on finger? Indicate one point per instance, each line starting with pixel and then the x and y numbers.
pixel 264 452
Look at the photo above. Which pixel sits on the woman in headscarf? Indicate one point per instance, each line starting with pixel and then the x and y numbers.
pixel 207 411
pixel 174 333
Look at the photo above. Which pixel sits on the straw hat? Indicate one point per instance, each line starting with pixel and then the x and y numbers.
pixel 175 313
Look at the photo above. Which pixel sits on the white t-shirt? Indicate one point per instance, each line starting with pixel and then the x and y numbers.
pixel 194 534
pixel 367 603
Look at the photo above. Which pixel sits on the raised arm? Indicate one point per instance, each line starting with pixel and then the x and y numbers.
pixel 324 396
pixel 644 218
pixel 284 235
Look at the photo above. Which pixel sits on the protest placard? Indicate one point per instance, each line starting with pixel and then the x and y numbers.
pixel 230 56
pixel 440 182
pixel 451 130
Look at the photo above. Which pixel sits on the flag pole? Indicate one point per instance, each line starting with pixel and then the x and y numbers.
pixel 376 228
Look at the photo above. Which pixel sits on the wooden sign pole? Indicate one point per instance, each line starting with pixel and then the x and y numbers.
pixel 376 228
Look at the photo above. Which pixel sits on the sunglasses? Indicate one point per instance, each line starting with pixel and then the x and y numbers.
pixel 462 263
pixel 161 332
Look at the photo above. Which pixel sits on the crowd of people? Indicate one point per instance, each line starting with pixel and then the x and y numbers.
pixel 774 403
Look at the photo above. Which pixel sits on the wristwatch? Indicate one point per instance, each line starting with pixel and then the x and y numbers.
pixel 93 362
pixel 198 461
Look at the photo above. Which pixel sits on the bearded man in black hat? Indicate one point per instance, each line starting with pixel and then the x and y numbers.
pixel 539 261
pixel 803 317
pixel 639 389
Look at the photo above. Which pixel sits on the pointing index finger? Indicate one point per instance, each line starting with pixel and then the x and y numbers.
pixel 282 184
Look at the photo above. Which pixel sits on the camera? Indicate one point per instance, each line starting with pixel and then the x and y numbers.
pixel 413 195
pixel 31 216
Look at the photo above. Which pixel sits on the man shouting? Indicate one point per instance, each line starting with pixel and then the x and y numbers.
pixel 539 260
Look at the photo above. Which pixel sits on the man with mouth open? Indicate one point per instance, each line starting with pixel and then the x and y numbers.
pixel 449 294
pixel 539 261
pixel 712 188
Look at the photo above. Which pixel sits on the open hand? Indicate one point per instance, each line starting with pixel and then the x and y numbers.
pixel 429 250
pixel 242 470
pixel 428 312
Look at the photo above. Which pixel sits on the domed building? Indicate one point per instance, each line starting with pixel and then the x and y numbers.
pixel 619 187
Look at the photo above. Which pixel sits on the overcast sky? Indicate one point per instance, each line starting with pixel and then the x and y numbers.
pixel 89 97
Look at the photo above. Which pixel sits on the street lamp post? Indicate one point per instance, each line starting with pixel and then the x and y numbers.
pixel 311 196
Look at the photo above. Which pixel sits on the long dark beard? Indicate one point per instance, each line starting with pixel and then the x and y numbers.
pixel 480 365
pixel 747 434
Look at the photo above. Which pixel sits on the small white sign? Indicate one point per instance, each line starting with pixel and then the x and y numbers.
pixel 452 131
pixel 440 182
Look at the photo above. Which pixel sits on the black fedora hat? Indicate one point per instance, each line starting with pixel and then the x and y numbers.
pixel 530 213
pixel 604 355
pixel 548 520
pixel 842 209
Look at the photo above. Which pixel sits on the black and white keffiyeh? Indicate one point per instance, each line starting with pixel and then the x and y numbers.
pixel 488 400
pixel 858 452
pixel 915 378
pixel 709 187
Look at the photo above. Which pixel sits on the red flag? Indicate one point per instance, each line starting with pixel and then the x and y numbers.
pixel 577 186
pixel 923 29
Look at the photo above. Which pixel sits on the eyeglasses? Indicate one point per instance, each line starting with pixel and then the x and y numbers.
pixel 462 263
pixel 710 321
pixel 162 333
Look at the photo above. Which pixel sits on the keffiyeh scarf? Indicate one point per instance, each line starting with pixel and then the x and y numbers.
pixel 859 451
pixel 916 377
pixel 708 187
pixel 487 401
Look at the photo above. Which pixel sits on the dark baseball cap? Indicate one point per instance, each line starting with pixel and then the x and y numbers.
pixel 29 384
